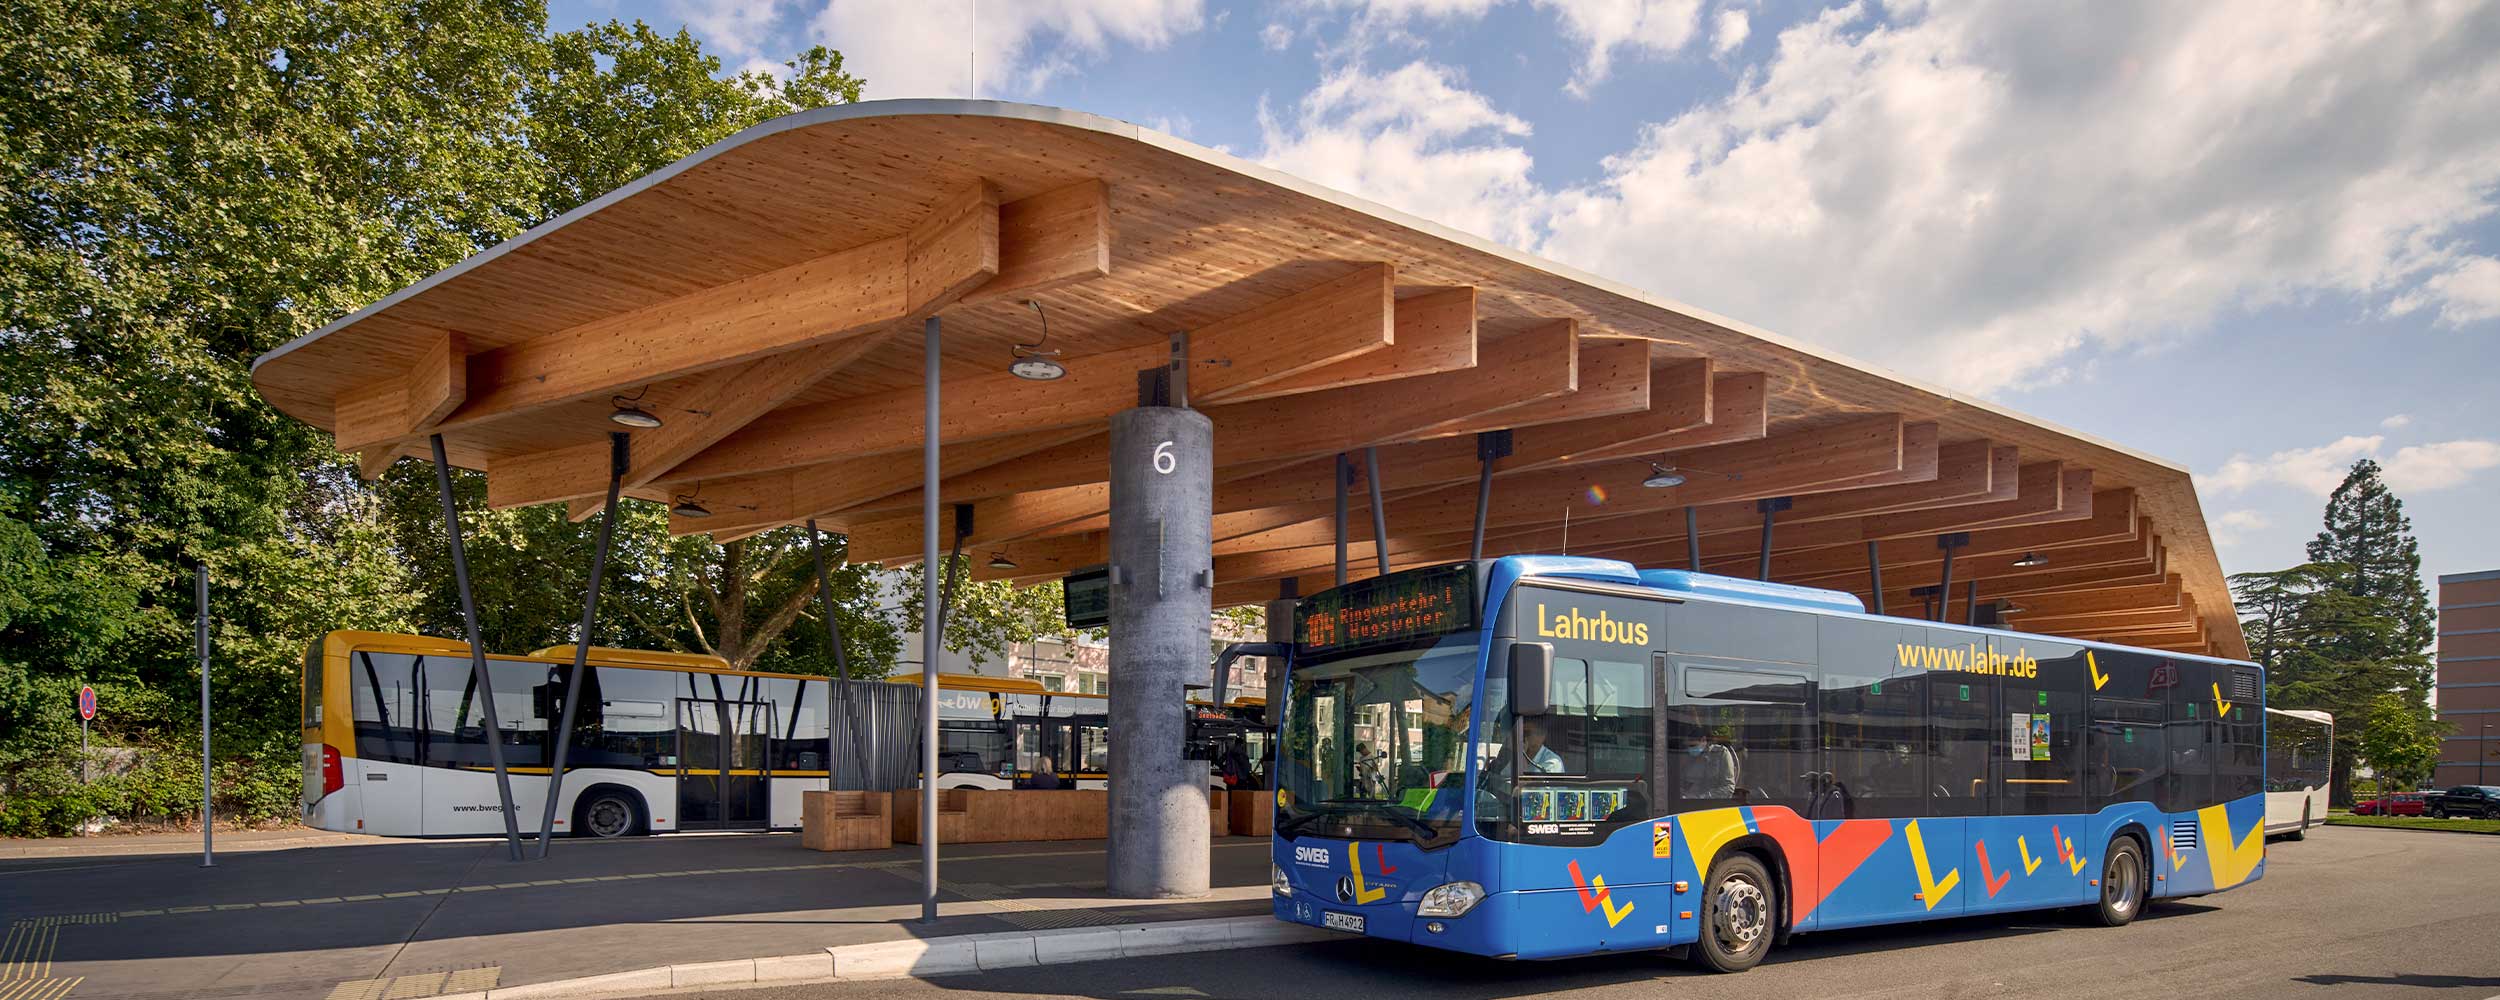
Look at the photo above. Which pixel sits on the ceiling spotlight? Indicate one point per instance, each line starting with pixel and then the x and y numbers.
pixel 2031 559
pixel 999 560
pixel 1662 477
pixel 687 507
pixel 1032 362
pixel 629 412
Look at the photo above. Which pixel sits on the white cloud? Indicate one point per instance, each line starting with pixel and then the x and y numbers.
pixel 2310 470
pixel 2466 292
pixel 2397 422
pixel 1653 27
pixel 1415 139
pixel 1276 36
pixel 2236 524
pixel 2418 468
pixel 1732 26
pixel 1976 193
pixel 2424 467
pixel 735 30
pixel 939 48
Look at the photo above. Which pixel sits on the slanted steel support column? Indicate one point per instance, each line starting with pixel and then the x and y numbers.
pixel 620 456
pixel 1341 474
pixel 1944 588
pixel 1875 575
pixel 1971 603
pixel 929 624
pixel 1770 509
pixel 954 555
pixel 1162 589
pixel 1491 446
pixel 1380 511
pixel 477 651
pixel 840 704
pixel 1692 538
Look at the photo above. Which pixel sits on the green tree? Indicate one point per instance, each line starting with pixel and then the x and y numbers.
pixel 188 186
pixel 2400 741
pixel 2366 530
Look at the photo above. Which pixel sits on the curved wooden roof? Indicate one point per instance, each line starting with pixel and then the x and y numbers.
pixel 762 298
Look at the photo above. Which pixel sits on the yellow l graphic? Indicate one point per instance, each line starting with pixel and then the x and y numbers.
pixel 2222 709
pixel 1930 890
pixel 2030 864
pixel 1354 857
pixel 2098 678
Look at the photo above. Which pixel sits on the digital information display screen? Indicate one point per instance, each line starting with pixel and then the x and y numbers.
pixel 1088 597
pixel 1388 610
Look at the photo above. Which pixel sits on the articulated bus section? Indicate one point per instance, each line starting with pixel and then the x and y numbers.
pixel 1592 758
pixel 395 738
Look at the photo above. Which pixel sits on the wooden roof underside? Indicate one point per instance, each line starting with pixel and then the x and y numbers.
pixel 764 296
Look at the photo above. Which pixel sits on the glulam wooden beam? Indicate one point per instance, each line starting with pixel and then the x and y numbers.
pixel 377 416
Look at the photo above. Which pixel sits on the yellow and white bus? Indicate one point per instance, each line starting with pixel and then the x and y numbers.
pixel 395 738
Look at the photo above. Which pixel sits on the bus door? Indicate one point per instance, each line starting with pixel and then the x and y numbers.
pixel 724 777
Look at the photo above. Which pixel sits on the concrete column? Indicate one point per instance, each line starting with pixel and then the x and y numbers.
pixel 1162 553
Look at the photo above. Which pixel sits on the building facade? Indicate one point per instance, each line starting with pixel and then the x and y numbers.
pixel 2468 679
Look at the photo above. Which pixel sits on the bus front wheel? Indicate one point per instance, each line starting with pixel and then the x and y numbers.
pixel 2302 831
pixel 1738 914
pixel 2123 883
pixel 606 813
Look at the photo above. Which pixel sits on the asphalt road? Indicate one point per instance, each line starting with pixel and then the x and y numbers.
pixel 2347 913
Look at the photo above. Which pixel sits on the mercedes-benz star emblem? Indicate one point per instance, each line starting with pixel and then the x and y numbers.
pixel 1345 889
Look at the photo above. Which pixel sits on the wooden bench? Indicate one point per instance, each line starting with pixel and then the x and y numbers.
pixel 846 821
pixel 980 816
pixel 1252 813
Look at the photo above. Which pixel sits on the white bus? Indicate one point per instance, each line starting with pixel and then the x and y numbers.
pixel 2300 761
pixel 395 739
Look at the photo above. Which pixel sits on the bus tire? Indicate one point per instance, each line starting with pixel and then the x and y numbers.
pixel 2124 883
pixel 2300 832
pixel 607 812
pixel 1739 914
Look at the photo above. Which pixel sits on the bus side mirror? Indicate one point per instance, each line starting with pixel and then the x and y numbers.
pixel 1532 678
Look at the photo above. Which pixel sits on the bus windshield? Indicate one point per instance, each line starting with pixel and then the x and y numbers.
pixel 1377 745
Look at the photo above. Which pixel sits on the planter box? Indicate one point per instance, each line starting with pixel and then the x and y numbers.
pixel 980 816
pixel 1252 813
pixel 846 821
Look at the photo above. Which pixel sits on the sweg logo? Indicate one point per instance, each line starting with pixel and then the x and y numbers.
pixel 1571 624
pixel 1316 857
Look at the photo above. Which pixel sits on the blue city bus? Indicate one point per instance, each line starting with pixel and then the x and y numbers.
pixel 1542 756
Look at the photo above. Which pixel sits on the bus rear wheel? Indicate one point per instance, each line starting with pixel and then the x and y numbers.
pixel 2123 883
pixel 2301 832
pixel 606 813
pixel 1739 911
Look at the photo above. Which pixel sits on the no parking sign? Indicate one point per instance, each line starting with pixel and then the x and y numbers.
pixel 86 703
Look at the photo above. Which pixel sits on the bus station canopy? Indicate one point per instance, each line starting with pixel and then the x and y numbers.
pixel 762 300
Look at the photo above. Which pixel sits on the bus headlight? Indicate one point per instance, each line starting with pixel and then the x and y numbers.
pixel 1277 881
pixel 1452 900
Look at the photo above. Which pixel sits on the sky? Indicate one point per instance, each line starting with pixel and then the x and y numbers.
pixel 2258 240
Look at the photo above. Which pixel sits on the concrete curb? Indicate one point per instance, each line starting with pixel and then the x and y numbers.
pixel 941 956
pixel 2413 829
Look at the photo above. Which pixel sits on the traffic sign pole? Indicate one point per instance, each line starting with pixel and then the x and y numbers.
pixel 86 714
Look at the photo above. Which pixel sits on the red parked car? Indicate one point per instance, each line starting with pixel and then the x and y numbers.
pixel 2398 804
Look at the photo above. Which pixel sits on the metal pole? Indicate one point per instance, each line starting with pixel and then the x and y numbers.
pixel 1875 575
pixel 1380 512
pixel 208 784
pixel 1341 474
pixel 1770 508
pixel 929 330
pixel 477 651
pixel 1491 446
pixel 620 455
pixel 1944 588
pixel 86 775
pixel 1970 603
pixel 1692 538
pixel 840 704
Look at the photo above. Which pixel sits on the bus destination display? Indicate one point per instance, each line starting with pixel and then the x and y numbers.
pixel 1390 609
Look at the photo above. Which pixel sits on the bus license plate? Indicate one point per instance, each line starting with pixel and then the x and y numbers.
pixel 1342 921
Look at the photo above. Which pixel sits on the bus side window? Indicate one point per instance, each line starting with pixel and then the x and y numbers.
pixel 2128 754
pixel 1742 734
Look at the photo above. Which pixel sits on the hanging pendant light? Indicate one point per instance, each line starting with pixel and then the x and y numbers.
pixel 2030 560
pixel 999 560
pixel 629 412
pixel 1033 363
pixel 1662 477
pixel 686 506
